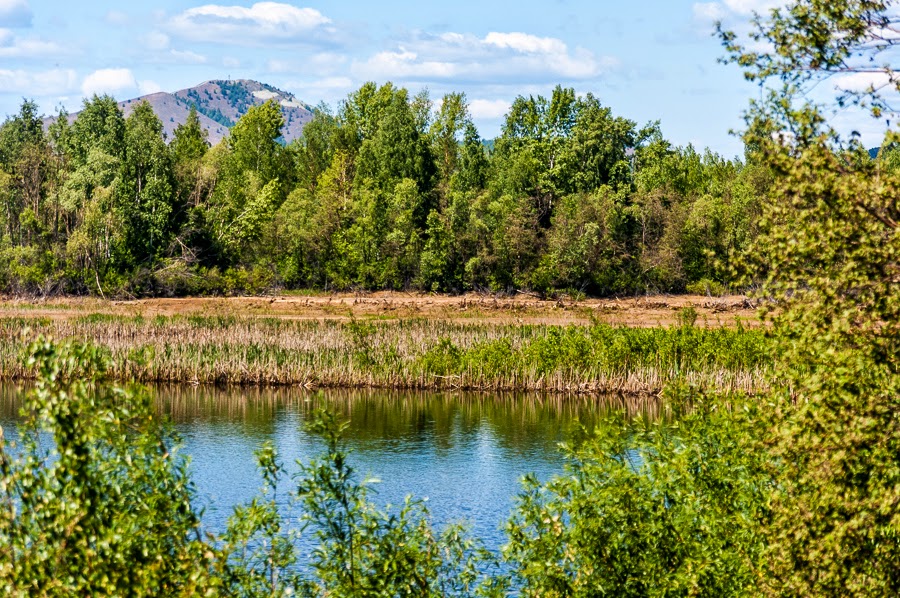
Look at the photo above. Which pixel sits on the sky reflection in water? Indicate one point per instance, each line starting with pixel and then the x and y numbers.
pixel 465 453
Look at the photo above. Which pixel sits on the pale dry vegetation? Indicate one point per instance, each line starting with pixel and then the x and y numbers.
pixel 497 352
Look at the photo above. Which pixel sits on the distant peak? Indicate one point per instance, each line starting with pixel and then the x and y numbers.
pixel 219 104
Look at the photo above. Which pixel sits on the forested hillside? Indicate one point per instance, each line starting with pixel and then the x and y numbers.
pixel 389 191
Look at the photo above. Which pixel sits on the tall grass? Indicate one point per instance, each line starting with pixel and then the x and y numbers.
pixel 409 354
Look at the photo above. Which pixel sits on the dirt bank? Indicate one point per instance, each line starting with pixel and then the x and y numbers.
pixel 659 310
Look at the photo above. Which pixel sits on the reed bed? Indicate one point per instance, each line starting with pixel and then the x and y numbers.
pixel 415 354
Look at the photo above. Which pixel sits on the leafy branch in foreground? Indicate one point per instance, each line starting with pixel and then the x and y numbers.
pixel 827 250
pixel 365 552
pixel 649 509
pixel 95 499
pixel 260 549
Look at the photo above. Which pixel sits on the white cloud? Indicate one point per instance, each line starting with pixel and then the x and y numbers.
pixel 15 13
pixel 156 40
pixel 111 81
pixel 38 83
pixel 159 44
pixel 405 65
pixel 327 89
pixel 861 82
pixel 231 62
pixel 187 57
pixel 710 12
pixel 526 43
pixel 489 109
pixel 340 83
pixel 319 65
pixel 117 17
pixel 263 22
pixel 871 131
pixel 12 46
pixel 281 66
pixel 748 8
pixel 148 87
pixel 498 57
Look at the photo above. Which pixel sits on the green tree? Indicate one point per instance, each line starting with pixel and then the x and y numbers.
pixel 447 130
pixel 366 552
pixel 255 174
pixel 827 257
pixel 361 113
pixel 94 244
pixel 589 246
pixel 146 189
pixel 25 128
pixel 100 126
pixel 594 154
pixel 473 163
pixel 254 145
pixel 23 150
pixel 314 151
pixel 190 140
pixel 398 149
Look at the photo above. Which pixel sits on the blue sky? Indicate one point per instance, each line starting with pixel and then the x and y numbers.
pixel 647 60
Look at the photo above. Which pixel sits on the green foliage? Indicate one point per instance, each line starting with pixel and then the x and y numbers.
pixel 384 193
pixel 674 351
pixel 648 509
pixel 827 257
pixel 706 286
pixel 828 249
pixel 253 141
pixel 100 126
pixel 794 493
pixel 367 552
pixel 397 149
pixel 254 176
pixel 258 546
pixel 589 246
pixel 105 508
pixel 189 142
pixel 145 194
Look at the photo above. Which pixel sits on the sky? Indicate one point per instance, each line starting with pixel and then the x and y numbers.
pixel 647 60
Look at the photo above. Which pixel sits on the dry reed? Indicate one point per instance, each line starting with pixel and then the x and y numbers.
pixel 415 354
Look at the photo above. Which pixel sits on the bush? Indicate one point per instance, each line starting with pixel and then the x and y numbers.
pixel 708 287
pixel 647 510
pixel 106 508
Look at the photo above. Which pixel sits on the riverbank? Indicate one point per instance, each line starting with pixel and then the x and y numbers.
pixel 635 312
pixel 512 353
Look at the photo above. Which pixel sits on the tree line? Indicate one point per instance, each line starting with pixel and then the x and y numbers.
pixel 390 191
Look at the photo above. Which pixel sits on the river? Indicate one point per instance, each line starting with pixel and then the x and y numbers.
pixel 464 453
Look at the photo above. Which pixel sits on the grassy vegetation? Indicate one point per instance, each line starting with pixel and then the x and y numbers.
pixel 408 354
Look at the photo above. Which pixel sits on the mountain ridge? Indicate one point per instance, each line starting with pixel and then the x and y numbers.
pixel 219 104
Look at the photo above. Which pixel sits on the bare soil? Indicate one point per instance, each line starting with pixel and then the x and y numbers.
pixel 658 310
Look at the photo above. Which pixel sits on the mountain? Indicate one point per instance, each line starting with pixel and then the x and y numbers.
pixel 219 104
pixel 173 112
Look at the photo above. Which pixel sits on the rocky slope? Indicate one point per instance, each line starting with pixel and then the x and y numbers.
pixel 219 104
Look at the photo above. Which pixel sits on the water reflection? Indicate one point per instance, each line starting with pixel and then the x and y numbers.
pixel 465 453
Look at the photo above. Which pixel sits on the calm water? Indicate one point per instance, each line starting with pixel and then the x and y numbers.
pixel 465 453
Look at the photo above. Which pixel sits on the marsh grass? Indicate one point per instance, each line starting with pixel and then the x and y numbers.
pixel 422 354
